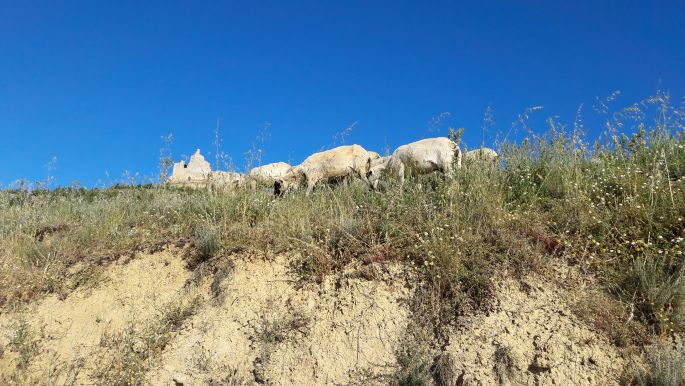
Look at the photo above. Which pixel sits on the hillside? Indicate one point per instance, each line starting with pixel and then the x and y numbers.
pixel 562 264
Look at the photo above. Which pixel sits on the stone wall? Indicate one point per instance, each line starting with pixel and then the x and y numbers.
pixel 194 173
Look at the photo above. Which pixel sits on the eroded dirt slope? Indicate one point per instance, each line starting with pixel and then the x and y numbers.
pixel 68 332
pixel 267 329
pixel 531 337
pixel 262 324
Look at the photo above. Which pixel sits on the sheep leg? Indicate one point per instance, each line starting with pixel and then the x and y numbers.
pixel 311 183
pixel 448 171
pixel 400 173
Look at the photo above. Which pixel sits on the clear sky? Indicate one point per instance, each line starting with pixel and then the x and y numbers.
pixel 96 84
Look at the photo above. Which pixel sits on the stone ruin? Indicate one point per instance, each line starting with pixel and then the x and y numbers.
pixel 195 173
pixel 198 174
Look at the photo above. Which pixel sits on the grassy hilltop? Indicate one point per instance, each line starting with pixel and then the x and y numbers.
pixel 614 211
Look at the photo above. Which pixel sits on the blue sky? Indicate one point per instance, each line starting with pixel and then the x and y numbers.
pixel 97 84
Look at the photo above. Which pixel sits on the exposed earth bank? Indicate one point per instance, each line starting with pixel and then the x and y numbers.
pixel 255 321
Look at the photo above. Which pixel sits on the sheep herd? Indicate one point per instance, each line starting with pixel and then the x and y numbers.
pixel 340 163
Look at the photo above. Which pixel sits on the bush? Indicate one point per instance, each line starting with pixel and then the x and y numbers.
pixel 661 292
pixel 206 240
pixel 665 367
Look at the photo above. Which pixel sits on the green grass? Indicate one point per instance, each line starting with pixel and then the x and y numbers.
pixel 614 208
pixel 414 369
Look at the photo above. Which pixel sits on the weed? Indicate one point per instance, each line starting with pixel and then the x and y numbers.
pixel 277 329
pixel 504 364
pixel 88 277
pixel 661 293
pixel 127 364
pixel 444 374
pixel 23 341
pixel 414 366
pixel 665 367
pixel 414 369
pixel 206 242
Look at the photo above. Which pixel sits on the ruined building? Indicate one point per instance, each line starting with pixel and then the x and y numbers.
pixel 198 174
pixel 195 173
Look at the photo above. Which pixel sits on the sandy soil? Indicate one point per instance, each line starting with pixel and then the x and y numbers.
pixel 531 338
pixel 69 331
pixel 267 330
pixel 266 326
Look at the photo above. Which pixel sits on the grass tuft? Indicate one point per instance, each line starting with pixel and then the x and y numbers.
pixel 664 367
pixel 24 342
